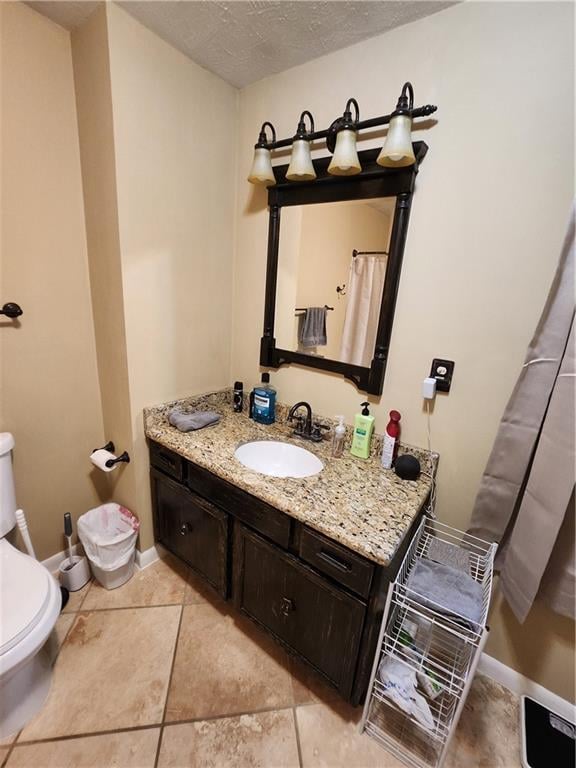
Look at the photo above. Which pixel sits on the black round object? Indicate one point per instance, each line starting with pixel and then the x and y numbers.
pixel 407 467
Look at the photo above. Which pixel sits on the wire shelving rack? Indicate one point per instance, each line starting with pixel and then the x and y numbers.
pixel 446 648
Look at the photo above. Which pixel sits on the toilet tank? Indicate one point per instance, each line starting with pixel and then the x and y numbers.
pixel 7 493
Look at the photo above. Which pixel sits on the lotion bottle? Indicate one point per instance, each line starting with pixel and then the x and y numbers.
pixel 338 438
pixel 391 438
pixel 363 428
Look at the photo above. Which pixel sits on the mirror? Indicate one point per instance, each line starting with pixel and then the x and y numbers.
pixel 324 307
pixel 332 261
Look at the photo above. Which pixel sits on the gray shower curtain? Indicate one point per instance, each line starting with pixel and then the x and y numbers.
pixel 526 496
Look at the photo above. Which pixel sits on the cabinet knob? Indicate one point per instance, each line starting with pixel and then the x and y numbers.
pixel 185 528
pixel 286 606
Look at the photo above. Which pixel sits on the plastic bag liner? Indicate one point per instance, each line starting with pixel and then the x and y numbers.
pixel 108 534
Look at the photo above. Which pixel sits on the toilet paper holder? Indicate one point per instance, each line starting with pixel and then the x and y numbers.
pixel 123 458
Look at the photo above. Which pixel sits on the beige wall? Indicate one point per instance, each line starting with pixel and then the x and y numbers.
pixel 174 140
pixel 49 387
pixel 94 104
pixel 487 223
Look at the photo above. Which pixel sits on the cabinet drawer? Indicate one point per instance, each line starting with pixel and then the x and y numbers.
pixel 166 460
pixel 306 612
pixel 191 528
pixel 336 561
pixel 247 508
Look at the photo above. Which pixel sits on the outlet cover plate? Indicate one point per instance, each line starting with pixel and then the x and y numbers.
pixel 442 370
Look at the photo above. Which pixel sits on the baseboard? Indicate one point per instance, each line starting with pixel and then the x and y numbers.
pixel 54 561
pixel 149 556
pixel 523 686
pixel 142 560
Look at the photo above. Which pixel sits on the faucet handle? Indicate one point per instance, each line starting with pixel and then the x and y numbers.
pixel 317 428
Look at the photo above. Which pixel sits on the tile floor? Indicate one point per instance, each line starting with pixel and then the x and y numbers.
pixel 161 673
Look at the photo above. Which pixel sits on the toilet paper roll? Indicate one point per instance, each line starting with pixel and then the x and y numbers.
pixel 99 459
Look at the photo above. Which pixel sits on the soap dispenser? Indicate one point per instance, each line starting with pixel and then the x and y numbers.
pixel 338 438
pixel 363 429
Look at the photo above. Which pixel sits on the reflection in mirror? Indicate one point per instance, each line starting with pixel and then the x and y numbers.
pixel 332 264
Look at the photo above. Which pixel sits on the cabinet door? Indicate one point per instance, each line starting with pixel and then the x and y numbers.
pixel 191 528
pixel 315 619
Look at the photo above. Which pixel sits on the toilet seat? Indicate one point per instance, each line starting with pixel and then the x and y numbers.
pixel 24 595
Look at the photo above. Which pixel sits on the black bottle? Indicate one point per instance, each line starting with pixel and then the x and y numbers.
pixel 238 396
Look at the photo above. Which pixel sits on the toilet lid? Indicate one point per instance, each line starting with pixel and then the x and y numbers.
pixel 24 593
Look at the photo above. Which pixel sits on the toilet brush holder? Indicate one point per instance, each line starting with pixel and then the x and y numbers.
pixel 74 576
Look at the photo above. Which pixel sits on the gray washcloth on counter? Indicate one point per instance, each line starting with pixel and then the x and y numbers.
pixel 447 590
pixel 186 422
pixel 313 327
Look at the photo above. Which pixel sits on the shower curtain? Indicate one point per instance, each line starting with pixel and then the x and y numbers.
pixel 526 496
pixel 364 293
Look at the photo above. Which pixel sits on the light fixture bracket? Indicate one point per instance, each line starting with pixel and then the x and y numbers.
pixel 301 132
pixel 344 123
pixel 405 103
pixel 262 138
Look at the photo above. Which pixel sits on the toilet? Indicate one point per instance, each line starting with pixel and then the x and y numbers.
pixel 30 603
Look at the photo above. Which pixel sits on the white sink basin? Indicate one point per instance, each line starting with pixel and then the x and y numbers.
pixel 270 457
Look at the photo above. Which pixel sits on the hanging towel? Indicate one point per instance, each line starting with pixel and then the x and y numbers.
pixel 313 328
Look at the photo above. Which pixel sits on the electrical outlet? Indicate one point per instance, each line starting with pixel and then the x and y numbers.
pixel 442 371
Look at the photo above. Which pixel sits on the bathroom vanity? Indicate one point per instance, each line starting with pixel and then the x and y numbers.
pixel 307 559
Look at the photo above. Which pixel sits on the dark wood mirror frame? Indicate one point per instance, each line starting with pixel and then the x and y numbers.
pixel 373 181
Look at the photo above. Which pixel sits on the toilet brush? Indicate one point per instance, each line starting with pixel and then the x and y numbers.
pixel 68 534
pixel 74 570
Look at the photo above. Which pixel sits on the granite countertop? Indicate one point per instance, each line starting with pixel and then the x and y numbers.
pixel 353 501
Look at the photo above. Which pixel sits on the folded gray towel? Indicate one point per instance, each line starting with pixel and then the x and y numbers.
pixel 313 327
pixel 186 422
pixel 447 590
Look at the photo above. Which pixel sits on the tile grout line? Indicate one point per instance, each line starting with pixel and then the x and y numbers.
pixel 129 607
pixel 170 676
pixel 11 749
pixel 135 728
pixel 298 745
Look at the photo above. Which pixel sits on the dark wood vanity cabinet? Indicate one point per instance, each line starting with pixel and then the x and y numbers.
pixel 303 610
pixel 322 601
pixel 192 528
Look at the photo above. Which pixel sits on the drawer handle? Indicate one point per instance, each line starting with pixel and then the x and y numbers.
pixel 185 528
pixel 286 606
pixel 334 561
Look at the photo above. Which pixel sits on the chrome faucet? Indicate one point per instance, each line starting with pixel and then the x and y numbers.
pixel 305 428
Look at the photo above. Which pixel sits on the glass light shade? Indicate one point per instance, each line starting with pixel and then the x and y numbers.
pixel 261 172
pixel 397 150
pixel 300 168
pixel 345 159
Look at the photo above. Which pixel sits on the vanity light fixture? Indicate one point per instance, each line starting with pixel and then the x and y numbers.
pixel 340 138
pixel 345 160
pixel 397 151
pixel 262 172
pixel 301 168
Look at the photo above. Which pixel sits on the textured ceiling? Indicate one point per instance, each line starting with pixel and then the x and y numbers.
pixel 245 41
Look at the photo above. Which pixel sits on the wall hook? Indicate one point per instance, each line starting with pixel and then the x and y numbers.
pixel 11 310
pixel 341 290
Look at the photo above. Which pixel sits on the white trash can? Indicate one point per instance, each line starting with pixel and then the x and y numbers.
pixel 108 534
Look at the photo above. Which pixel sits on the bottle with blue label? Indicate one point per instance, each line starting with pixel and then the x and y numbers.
pixel 264 401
